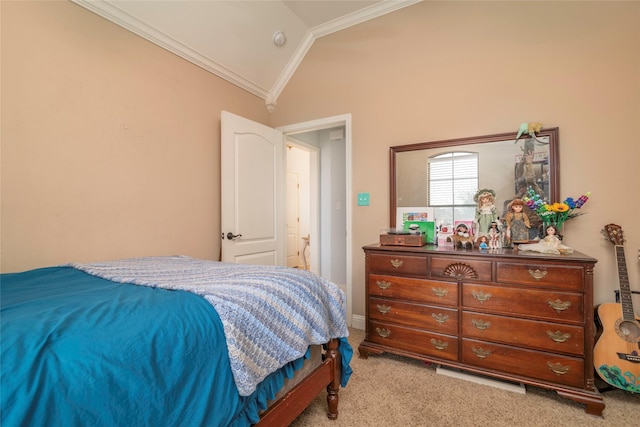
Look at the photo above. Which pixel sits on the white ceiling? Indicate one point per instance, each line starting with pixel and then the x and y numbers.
pixel 234 38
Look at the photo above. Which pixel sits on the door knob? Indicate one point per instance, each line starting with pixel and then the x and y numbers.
pixel 232 236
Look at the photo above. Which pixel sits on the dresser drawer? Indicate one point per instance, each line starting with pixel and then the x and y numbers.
pixel 397 264
pixel 536 365
pixel 508 314
pixel 541 275
pixel 437 319
pixel 413 340
pixel 417 290
pixel 541 304
pixel 546 336
pixel 467 269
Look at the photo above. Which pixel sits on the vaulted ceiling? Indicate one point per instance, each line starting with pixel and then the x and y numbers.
pixel 236 39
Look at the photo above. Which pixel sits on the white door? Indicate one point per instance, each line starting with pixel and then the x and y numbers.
pixel 293 219
pixel 253 192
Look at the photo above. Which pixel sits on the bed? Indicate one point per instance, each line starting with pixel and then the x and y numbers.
pixel 171 341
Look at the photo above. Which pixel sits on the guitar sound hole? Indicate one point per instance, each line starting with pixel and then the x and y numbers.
pixel 628 330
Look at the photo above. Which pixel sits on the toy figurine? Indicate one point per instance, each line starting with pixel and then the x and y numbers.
pixel 486 211
pixel 462 238
pixel 517 223
pixel 534 220
pixel 494 234
pixel 483 243
pixel 550 244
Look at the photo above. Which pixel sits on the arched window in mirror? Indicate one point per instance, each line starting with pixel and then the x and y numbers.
pixel 453 181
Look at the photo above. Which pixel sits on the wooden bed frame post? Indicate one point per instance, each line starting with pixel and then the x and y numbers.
pixel 334 385
pixel 327 375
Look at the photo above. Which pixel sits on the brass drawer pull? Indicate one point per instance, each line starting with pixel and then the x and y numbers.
pixel 480 353
pixel 481 296
pixel 558 368
pixel 384 309
pixel 439 292
pixel 558 305
pixel 481 324
pixel 537 274
pixel 558 336
pixel 384 333
pixel 397 263
pixel 439 344
pixel 383 284
pixel 440 318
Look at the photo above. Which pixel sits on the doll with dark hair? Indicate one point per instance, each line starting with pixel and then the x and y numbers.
pixel 550 244
pixel 494 235
pixel 461 238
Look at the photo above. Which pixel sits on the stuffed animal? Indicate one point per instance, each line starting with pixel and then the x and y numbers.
pixel 461 238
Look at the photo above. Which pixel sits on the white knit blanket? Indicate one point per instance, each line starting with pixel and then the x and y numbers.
pixel 270 314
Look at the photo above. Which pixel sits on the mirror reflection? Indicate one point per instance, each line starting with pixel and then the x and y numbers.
pixel 446 175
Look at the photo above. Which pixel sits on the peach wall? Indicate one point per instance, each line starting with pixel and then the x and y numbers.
pixel 440 70
pixel 110 144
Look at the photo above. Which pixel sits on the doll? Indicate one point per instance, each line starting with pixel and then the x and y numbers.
pixel 493 236
pixel 462 238
pixel 517 223
pixel 486 211
pixel 483 243
pixel 550 244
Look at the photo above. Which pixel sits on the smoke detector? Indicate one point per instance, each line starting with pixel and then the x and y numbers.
pixel 279 39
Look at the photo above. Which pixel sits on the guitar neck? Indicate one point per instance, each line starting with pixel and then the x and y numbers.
pixel 625 289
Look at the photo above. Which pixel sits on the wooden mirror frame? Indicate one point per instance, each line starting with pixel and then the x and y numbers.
pixel 467 143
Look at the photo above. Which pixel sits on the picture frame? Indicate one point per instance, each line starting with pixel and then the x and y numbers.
pixel 414 214
pixel 422 217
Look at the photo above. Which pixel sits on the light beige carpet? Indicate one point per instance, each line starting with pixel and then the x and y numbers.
pixel 388 390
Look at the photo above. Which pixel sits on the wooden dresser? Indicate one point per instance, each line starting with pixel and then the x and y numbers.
pixel 516 316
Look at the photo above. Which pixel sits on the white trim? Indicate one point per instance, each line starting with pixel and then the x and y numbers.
pixel 109 11
pixel 325 123
pixel 360 16
pixel 358 322
pixel 479 379
pixel 116 15
pixel 289 69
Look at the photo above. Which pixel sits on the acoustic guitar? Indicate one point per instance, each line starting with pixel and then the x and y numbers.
pixel 616 355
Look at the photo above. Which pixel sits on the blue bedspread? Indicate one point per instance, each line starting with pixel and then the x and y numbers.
pixel 270 314
pixel 79 350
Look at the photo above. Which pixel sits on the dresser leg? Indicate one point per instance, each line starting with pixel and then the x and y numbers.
pixel 594 403
pixel 364 351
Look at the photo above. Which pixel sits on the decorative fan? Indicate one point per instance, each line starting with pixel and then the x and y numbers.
pixel 460 270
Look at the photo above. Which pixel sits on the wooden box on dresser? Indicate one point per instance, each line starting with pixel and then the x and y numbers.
pixel 517 316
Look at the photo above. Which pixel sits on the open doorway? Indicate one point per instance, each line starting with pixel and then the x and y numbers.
pixel 300 192
pixel 323 238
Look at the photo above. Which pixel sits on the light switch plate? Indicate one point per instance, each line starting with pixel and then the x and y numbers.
pixel 363 199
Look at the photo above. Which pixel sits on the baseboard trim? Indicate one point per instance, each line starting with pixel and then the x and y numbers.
pixel 504 385
pixel 358 322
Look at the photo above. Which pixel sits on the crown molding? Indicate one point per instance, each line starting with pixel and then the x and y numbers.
pixel 116 15
pixel 362 15
pixel 125 20
pixel 330 27
pixel 289 69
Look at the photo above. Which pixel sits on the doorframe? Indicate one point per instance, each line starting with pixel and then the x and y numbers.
pixel 327 123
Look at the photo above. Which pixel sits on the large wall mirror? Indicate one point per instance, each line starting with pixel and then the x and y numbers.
pixel 446 174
